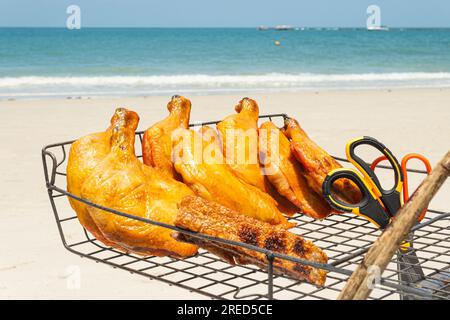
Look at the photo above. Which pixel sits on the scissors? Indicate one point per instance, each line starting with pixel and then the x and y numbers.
pixel 404 265
pixel 378 205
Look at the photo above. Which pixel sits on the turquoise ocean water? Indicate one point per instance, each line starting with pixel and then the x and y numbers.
pixel 93 62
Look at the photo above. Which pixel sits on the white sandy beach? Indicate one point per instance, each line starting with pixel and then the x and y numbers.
pixel 33 262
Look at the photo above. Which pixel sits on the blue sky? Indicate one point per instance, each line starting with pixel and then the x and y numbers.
pixel 225 13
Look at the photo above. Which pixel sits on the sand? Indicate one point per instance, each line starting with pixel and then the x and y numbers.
pixel 33 262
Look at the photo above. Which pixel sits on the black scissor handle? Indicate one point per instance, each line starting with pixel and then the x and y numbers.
pixel 368 207
pixel 390 198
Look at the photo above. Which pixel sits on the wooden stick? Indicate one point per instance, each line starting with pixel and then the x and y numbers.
pixel 381 252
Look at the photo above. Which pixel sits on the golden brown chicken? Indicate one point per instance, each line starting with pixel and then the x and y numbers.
pixel 157 140
pixel 317 163
pixel 202 216
pixel 85 154
pixel 198 158
pixel 285 173
pixel 123 183
pixel 239 137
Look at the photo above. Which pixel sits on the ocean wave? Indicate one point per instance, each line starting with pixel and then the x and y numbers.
pixel 214 80
pixel 202 83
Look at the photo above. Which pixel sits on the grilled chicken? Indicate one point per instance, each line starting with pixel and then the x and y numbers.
pixel 239 137
pixel 285 173
pixel 198 158
pixel 317 163
pixel 121 182
pixel 85 154
pixel 157 140
pixel 202 216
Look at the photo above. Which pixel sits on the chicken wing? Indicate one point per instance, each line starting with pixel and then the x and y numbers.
pixel 85 154
pixel 157 140
pixel 317 163
pixel 198 158
pixel 239 137
pixel 285 173
pixel 121 182
pixel 202 216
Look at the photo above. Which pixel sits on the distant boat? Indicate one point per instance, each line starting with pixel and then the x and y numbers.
pixel 377 28
pixel 262 28
pixel 283 28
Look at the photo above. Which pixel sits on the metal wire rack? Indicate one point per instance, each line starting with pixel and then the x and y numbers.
pixel 345 238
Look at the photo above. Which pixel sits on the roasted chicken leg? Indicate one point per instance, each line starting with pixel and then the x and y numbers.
pixel 85 154
pixel 285 173
pixel 202 216
pixel 157 140
pixel 198 158
pixel 123 183
pixel 239 137
pixel 317 163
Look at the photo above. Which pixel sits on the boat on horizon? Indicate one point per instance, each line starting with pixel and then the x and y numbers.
pixel 284 27
pixel 377 28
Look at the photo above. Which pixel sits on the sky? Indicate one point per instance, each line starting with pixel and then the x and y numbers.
pixel 224 13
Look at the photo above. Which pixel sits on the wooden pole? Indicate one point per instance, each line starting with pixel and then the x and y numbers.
pixel 381 252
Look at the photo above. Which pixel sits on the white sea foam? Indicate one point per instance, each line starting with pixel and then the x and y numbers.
pixel 208 80
pixel 36 85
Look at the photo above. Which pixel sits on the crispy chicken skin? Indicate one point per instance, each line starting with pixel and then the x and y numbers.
pixel 317 163
pixel 239 137
pixel 85 154
pixel 123 183
pixel 202 216
pixel 157 140
pixel 285 173
pixel 198 158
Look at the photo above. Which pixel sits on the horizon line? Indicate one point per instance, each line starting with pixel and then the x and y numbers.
pixel 221 27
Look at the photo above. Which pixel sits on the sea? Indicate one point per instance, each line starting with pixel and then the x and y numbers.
pixel 58 62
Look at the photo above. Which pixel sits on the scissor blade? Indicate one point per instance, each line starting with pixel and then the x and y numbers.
pixel 408 266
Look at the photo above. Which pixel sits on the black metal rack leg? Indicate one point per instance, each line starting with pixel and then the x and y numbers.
pixel 270 258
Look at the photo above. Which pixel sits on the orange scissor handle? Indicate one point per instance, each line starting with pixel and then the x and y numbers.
pixel 405 160
pixel 404 163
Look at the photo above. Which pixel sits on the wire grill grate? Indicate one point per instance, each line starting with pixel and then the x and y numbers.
pixel 345 238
